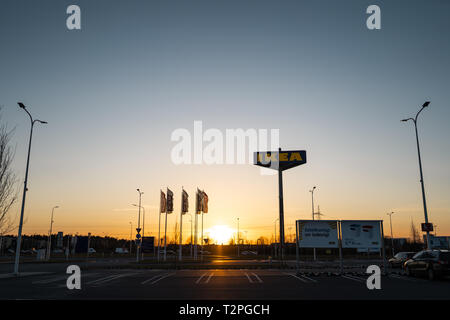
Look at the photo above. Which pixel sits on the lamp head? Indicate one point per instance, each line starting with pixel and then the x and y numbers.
pixel 426 104
pixel 21 105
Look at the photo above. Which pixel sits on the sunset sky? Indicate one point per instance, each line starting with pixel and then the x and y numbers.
pixel 114 92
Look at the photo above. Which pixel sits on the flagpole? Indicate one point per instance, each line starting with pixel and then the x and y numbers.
pixel 195 232
pixel 159 223
pixel 181 226
pixel 165 229
pixel 202 237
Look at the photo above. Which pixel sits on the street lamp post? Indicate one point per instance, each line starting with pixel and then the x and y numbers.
pixel 143 225
pixel 25 189
pixel 420 169
pixel 275 240
pixel 138 229
pixel 131 235
pixel 49 244
pixel 392 237
pixel 312 202
pixel 238 237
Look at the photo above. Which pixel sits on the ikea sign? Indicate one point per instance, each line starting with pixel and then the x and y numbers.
pixel 280 160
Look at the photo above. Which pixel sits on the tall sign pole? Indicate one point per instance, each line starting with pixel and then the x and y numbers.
pixel 181 225
pixel 280 196
pixel 280 161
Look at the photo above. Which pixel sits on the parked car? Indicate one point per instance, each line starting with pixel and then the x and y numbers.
pixel 400 258
pixel 121 250
pixel 432 263
pixel 92 250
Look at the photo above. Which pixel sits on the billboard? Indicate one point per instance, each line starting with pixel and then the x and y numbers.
pixel 284 160
pixel 59 240
pixel 148 244
pixel 361 234
pixel 437 242
pixel 317 233
pixel 81 244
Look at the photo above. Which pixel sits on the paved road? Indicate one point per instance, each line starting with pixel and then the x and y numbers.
pixel 217 284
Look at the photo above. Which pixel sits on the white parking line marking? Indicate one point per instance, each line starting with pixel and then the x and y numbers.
pixel 163 277
pixel 258 278
pixel 248 277
pixel 310 279
pixel 104 280
pixel 50 280
pixel 405 278
pixel 152 278
pixel 199 279
pixel 45 281
pixel 354 278
pixel 293 275
pixel 207 280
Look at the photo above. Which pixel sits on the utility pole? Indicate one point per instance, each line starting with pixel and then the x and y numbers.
pixel 420 169
pixel 238 237
pixel 392 237
pixel 312 205
pixel 25 189
pixel 49 244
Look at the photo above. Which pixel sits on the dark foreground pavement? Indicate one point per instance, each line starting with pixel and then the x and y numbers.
pixel 216 284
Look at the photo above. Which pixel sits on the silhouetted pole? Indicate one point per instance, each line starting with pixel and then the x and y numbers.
pixel 49 244
pixel 138 229
pixel 238 237
pixel 275 242
pixel 192 237
pixel 131 235
pixel 312 202
pixel 420 168
pixel 280 194
pixel 392 236
pixel 25 189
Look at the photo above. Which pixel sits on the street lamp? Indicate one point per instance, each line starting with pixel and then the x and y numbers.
pixel 392 237
pixel 420 168
pixel 312 203
pixel 131 235
pixel 312 200
pixel 49 245
pixel 143 224
pixel 238 236
pixel 25 189
pixel 138 229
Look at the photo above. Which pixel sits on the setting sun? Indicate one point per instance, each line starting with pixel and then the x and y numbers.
pixel 220 234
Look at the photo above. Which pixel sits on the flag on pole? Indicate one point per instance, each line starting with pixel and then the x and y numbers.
pixel 184 202
pixel 162 203
pixel 198 202
pixel 204 202
pixel 169 201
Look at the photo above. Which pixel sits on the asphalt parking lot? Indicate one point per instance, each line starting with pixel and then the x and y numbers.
pixel 217 284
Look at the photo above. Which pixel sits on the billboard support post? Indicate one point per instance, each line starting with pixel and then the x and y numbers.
pixel 382 243
pixel 296 248
pixel 181 228
pixel 341 264
pixel 280 161
pixel 280 194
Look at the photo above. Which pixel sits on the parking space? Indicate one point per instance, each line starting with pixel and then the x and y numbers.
pixel 219 284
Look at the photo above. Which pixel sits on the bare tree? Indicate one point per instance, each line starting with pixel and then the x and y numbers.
pixel 176 233
pixel 8 191
pixel 415 236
